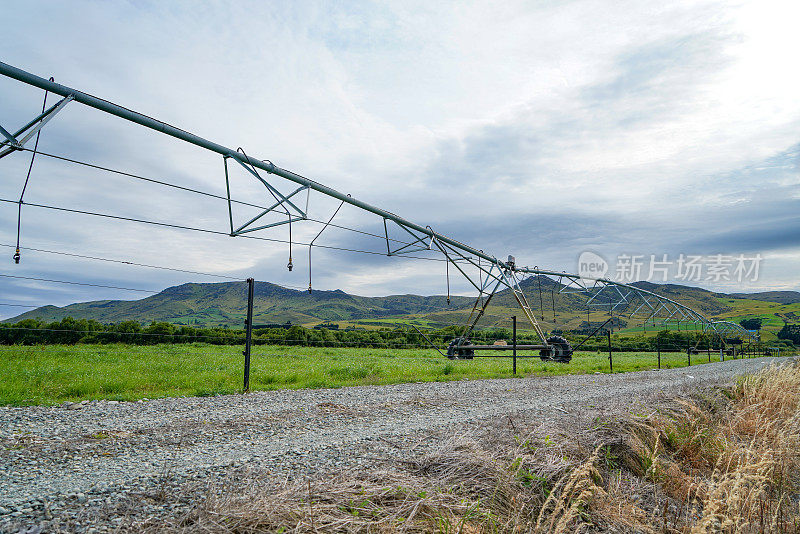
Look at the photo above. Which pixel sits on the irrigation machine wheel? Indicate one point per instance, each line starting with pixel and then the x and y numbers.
pixel 560 350
pixel 458 349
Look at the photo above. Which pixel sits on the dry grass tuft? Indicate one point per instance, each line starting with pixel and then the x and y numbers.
pixel 566 507
pixel 461 488
pixel 735 468
pixel 755 485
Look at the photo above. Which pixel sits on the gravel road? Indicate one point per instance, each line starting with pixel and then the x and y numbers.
pixel 63 459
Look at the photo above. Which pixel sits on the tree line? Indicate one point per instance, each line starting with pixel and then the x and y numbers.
pixel 70 331
pixel 790 332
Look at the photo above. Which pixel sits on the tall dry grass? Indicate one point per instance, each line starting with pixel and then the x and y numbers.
pixel 729 463
pixel 755 482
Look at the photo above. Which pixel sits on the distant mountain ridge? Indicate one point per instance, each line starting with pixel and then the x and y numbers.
pixel 218 304
pixel 781 297
pixel 223 304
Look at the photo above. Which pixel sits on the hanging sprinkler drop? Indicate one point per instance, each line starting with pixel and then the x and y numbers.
pixel 289 265
pixel 17 255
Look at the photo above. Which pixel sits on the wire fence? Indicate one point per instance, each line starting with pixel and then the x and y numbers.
pixel 107 365
pixel 400 338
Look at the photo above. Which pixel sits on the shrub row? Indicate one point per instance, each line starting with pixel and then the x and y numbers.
pixel 70 331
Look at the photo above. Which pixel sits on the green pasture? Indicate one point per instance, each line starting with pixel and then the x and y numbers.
pixel 50 374
pixel 773 315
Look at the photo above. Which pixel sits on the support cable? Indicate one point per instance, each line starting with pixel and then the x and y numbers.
pixel 125 262
pixel 311 244
pixel 428 340
pixel 539 284
pixel 77 283
pixel 553 298
pixel 480 275
pixel 447 274
pixel 144 178
pixel 205 230
pixel 83 256
pixel 17 255
pixel 203 193
pixel 480 280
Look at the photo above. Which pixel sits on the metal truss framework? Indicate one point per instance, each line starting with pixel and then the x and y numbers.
pixel 637 303
pixel 283 205
pixel 484 272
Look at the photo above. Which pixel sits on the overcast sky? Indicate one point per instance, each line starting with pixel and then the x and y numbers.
pixel 539 129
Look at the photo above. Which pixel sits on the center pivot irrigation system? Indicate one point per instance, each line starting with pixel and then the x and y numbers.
pixel 487 274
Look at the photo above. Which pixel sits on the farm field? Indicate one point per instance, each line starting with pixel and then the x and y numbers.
pixel 51 374
pixel 773 315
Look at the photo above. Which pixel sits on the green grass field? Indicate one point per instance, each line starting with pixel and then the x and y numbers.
pixel 50 374
pixel 772 314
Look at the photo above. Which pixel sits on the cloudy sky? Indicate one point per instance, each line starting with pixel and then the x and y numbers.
pixel 539 129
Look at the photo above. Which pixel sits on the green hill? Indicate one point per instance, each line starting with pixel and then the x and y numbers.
pixel 223 304
pixel 781 297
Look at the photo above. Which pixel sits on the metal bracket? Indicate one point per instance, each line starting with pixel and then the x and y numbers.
pixel 13 141
pixel 287 207
pixel 409 247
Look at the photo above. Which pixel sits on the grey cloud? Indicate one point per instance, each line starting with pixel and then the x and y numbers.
pixel 497 185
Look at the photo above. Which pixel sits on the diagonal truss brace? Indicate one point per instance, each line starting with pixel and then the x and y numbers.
pixel 497 276
pixel 12 141
pixel 510 278
pixel 283 205
pixel 417 245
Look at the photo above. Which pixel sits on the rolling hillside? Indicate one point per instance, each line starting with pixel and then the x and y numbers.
pixel 781 297
pixel 223 304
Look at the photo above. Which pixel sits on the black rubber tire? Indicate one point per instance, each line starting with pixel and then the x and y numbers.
pixel 560 350
pixel 458 349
